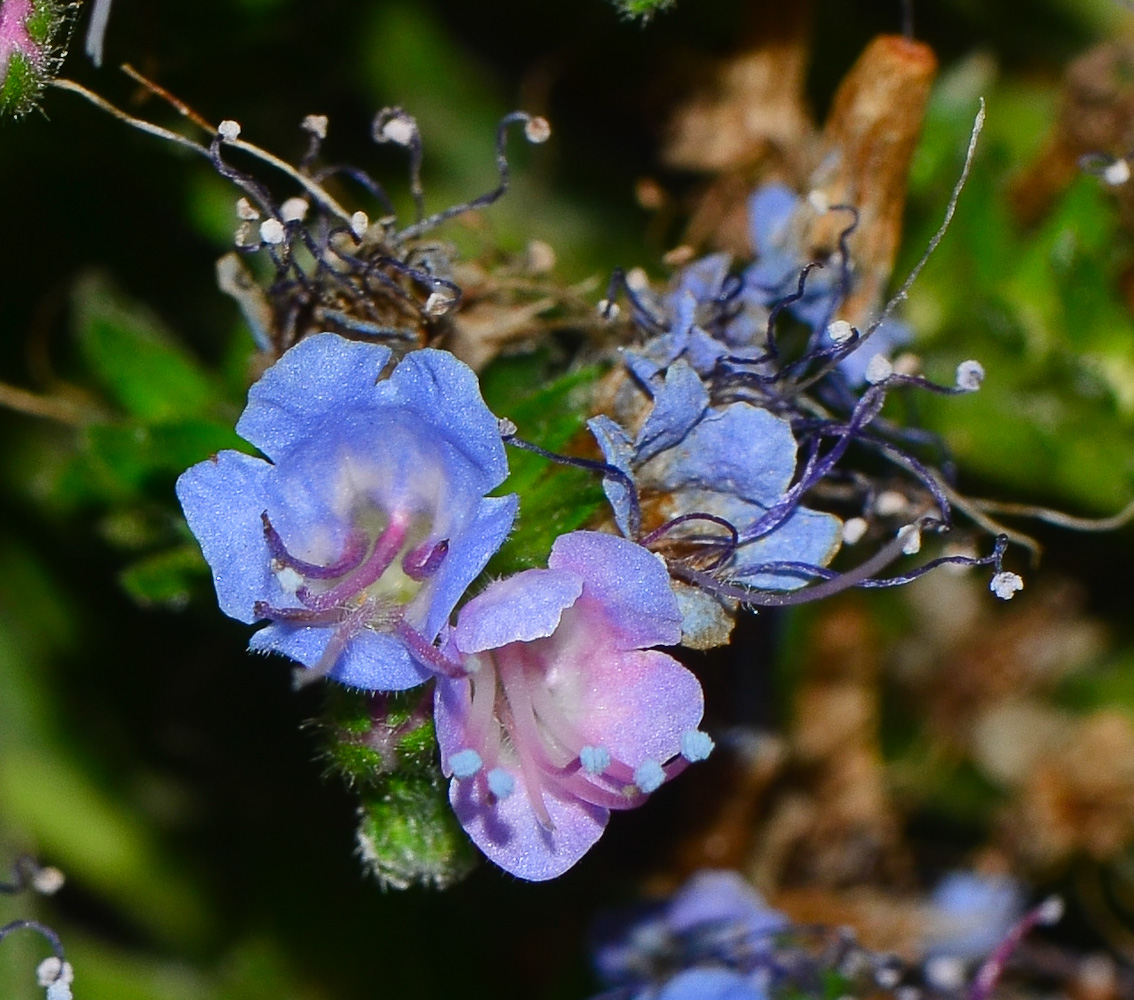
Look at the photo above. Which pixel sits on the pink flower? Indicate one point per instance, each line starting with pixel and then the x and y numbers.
pixel 561 712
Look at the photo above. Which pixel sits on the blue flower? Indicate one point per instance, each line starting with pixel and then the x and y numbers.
pixel 368 521
pixel 735 462
pixel 970 914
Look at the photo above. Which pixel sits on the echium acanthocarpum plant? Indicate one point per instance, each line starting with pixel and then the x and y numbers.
pixel 30 50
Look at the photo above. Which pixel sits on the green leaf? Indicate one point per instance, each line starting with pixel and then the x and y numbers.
pixel 166 579
pixel 136 360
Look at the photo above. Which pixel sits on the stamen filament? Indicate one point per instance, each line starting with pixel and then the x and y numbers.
pixel 353 554
pixel 385 551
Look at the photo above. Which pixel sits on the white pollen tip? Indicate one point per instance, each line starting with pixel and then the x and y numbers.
pixel 59 991
pixel 507 427
pixel 649 777
pixel 970 375
pixel 47 881
pixel 229 130
pixel 840 331
pixel 399 128
pixel 1005 584
pixel 637 280
pixel 272 231
pixel 246 211
pixel 890 502
pixel 53 970
pixel 501 783
pixel 294 209
pixel 594 760
pixel 316 125
pixel 359 223
pixel 537 130
pixel 853 530
pixel 439 303
pixel 1117 173
pixel 608 310
pixel 879 369
pixel 465 763
pixel 696 745
pixel 819 201
pixel 1050 911
pixel 912 535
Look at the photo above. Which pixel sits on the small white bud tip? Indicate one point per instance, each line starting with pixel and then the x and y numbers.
pixel 819 201
pixel 537 130
pixel 53 970
pixel 608 310
pixel 1117 173
pixel 272 231
pixel 294 210
pixel 246 211
pixel 879 369
pixel 1004 585
pixel 229 130
pixel 853 530
pixel 47 881
pixel 912 535
pixel 649 777
pixel 465 763
pixel 394 125
pixel 1050 911
pixel 970 375
pixel 696 745
pixel 316 125
pixel 359 223
pixel 840 331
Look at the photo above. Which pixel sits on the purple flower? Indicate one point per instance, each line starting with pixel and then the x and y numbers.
pixel 369 520
pixel 565 713
pixel 970 914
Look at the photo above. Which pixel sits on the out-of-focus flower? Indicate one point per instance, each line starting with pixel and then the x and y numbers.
pixel 970 914
pixel 715 938
pixel 369 520
pixel 565 713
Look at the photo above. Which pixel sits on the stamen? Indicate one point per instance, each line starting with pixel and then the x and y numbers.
pixel 465 763
pixel 350 627
pixel 386 548
pixel 425 652
pixel 1005 584
pixel 353 554
pixel 595 760
pixel 421 563
pixel 300 616
pixel 696 745
pixel 501 783
pixel 649 776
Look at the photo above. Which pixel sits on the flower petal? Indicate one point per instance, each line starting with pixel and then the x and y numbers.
pixel 526 606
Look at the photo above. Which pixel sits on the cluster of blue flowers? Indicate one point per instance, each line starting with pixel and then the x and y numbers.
pixel 357 536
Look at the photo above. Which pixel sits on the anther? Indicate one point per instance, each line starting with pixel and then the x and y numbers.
pixel 840 331
pixel 394 125
pixel 500 783
pixel 316 125
pixel 1005 584
pixel 594 760
pixel 879 369
pixel 359 223
pixel 294 209
pixel 439 303
pixel 421 563
pixel 912 535
pixel 465 763
pixel 608 309
pixel 819 201
pixel 229 130
pixel 246 211
pixel 649 776
pixel 537 130
pixel 970 375
pixel 853 530
pixel 1117 173
pixel 272 231
pixel 696 745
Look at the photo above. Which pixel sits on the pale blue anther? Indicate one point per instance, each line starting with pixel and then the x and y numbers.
pixel 465 763
pixel 595 760
pixel 501 783
pixel 696 745
pixel 649 777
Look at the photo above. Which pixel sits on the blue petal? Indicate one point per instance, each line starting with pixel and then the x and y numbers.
pixel 678 405
pixel 223 498
pixel 519 608
pixel 711 983
pixel 469 552
pixel 741 450
pixel 770 209
pixel 629 583
pixel 308 388
pixel 807 536
pixel 617 451
pixel 372 661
